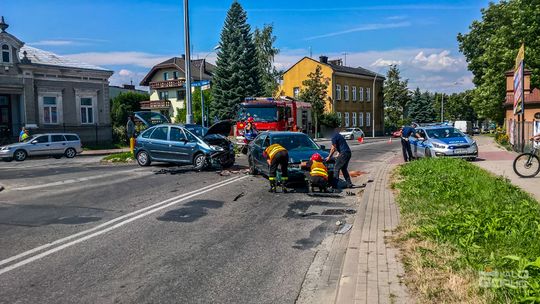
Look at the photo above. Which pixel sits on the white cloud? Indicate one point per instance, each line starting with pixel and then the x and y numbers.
pixel 140 59
pixel 52 43
pixel 121 77
pixel 438 61
pixel 362 28
pixel 124 72
pixel 386 62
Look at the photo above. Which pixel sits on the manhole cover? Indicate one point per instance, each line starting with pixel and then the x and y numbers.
pixel 338 211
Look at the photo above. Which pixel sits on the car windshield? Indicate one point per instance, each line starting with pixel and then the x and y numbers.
pixel 197 130
pixel 262 114
pixel 349 130
pixel 295 142
pixel 444 133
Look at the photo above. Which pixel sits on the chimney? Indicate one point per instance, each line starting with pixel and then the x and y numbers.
pixel 323 59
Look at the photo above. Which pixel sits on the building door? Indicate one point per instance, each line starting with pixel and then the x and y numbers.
pixel 5 116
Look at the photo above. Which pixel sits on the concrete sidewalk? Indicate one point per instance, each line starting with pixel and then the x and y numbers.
pixel 371 271
pixel 103 152
pixel 499 161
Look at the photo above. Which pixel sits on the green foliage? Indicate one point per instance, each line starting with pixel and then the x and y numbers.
pixel 314 92
pixel 491 223
pixel 420 107
pixel 491 47
pixel 264 40
pixel 180 116
pixel 123 157
pixel 125 104
pixel 396 98
pixel 457 106
pixel 237 74
pixel 330 120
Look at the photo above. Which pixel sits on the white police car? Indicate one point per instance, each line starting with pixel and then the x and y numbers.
pixel 443 141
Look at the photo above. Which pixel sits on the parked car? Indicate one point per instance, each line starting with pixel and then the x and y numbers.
pixel 55 144
pixel 186 145
pixel 299 146
pixel 440 141
pixel 352 133
pixel 464 126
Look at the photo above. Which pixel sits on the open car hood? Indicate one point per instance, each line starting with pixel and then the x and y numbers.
pixel 151 118
pixel 222 128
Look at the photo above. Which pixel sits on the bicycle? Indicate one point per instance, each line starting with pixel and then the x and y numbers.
pixel 528 164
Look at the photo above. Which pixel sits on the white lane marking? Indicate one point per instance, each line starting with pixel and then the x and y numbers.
pixel 73 181
pixel 62 240
pixel 51 251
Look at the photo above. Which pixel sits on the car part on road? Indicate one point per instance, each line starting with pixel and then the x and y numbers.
pixel 20 155
pixel 344 229
pixel 239 196
pixel 143 158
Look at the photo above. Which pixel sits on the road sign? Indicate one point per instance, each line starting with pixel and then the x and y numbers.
pixel 200 83
pixel 519 81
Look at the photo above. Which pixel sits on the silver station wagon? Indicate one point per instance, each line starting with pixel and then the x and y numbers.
pixel 54 144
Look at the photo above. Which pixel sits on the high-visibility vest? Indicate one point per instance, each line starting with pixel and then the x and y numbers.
pixel 318 169
pixel 272 150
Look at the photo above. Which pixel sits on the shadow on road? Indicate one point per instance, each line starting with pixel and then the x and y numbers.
pixel 190 212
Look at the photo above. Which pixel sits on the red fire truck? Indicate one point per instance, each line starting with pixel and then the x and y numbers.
pixel 269 114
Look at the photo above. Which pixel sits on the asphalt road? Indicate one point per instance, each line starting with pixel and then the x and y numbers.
pixel 82 232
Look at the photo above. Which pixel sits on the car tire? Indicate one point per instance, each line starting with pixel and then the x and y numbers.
pixel 199 161
pixel 143 159
pixel 20 155
pixel 70 153
pixel 252 169
pixel 427 153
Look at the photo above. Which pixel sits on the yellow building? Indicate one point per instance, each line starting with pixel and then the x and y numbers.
pixel 167 84
pixel 349 91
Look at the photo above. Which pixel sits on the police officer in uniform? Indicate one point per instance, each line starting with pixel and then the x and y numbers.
pixel 276 155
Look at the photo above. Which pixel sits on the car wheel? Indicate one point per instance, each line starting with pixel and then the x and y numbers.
pixel 143 158
pixel 427 153
pixel 70 153
pixel 20 155
pixel 199 162
pixel 252 169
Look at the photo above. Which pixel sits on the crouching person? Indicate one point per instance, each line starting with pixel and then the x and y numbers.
pixel 318 173
pixel 276 156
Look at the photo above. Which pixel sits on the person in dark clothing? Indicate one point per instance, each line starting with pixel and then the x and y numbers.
pixel 340 145
pixel 405 133
pixel 276 155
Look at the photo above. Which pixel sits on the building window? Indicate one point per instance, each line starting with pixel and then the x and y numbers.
pixel 50 110
pixel 175 75
pixel 354 93
pixel 5 53
pixel 339 116
pixel 368 119
pixel 360 119
pixel 368 94
pixel 163 95
pixel 354 121
pixel 180 94
pixel 346 119
pixel 165 76
pixel 338 92
pixel 361 93
pixel 87 111
pixel 296 92
pixel 346 92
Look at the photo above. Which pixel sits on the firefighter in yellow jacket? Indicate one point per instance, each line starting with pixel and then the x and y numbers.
pixel 276 155
pixel 318 173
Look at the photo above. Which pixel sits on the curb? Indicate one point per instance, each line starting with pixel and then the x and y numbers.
pixel 101 153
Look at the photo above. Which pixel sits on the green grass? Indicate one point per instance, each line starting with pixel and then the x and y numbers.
pixel 491 224
pixel 119 157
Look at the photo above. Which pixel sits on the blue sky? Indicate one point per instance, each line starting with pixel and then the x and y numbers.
pixel 130 36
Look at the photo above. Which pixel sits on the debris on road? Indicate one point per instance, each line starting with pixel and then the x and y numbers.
pixel 344 229
pixel 229 172
pixel 350 193
pixel 356 173
pixel 1 188
pixel 239 196
pixel 339 223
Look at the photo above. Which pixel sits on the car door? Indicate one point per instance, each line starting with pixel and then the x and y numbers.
pixel 58 144
pixel 421 144
pixel 257 151
pixel 180 149
pixel 158 146
pixel 39 145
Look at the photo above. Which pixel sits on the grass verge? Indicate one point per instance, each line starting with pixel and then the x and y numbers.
pixel 124 157
pixel 466 235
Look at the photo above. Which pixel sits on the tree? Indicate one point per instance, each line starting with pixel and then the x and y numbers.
pixel 264 40
pixel 180 116
pixel 237 73
pixel 421 107
pixel 457 106
pixel 314 92
pixel 396 98
pixel 491 47
pixel 125 104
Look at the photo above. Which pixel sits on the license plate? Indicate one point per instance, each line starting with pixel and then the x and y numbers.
pixel 460 151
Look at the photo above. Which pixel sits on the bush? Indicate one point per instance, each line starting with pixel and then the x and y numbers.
pixel 330 120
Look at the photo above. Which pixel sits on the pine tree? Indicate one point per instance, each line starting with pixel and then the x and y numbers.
pixel 421 107
pixel 314 92
pixel 396 98
pixel 237 74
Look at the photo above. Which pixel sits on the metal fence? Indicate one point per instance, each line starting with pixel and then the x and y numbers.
pixel 515 134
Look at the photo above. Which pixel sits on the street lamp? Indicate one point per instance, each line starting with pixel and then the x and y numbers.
pixel 217 47
pixel 189 110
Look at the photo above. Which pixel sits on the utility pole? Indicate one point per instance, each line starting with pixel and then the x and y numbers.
pixel 189 110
